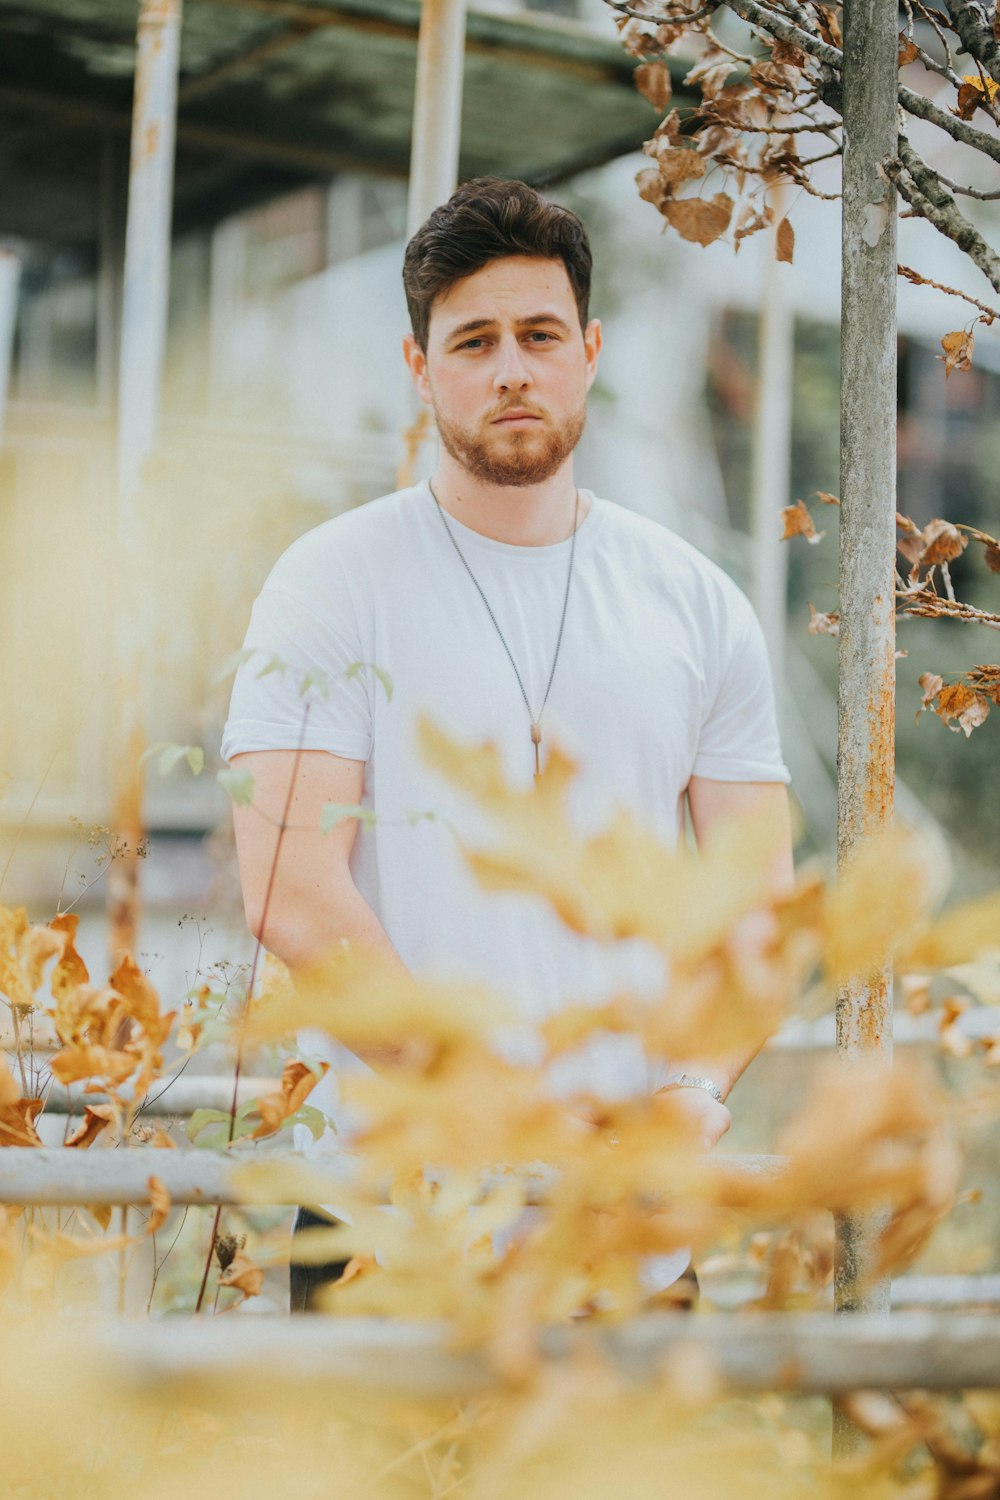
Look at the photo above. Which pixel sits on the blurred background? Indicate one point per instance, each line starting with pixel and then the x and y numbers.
pixel 283 401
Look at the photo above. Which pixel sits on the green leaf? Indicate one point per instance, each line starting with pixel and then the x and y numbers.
pixel 230 665
pixel 310 1116
pixel 415 817
pixel 203 1117
pixel 335 812
pixel 380 673
pixel 314 678
pixel 170 755
pixel 239 785
pixel 273 664
pixel 153 750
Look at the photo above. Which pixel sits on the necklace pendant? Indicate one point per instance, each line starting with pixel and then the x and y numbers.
pixel 536 740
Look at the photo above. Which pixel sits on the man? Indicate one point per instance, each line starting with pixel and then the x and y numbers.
pixel 513 606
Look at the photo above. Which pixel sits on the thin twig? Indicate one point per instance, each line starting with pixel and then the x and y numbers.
pixel 258 950
pixel 918 280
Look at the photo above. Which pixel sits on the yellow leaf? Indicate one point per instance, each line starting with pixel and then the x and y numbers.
pixel 879 900
pixel 957 937
pixel 297 1082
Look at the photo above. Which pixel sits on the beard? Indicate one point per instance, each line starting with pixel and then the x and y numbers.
pixel 527 455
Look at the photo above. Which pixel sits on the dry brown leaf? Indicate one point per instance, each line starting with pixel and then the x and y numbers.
pixel 970 96
pixel 820 624
pixel 9 1091
pixel 244 1275
pixel 962 703
pixel 827 498
pixel 70 970
pixel 784 241
pixel 652 188
pixel 992 555
pixel 159 1204
pixel 942 542
pixel 24 952
pixel 908 50
pixel 297 1082
pixel 916 993
pixel 749 222
pixel 700 220
pixel 653 81
pixel 798 522
pixel 97 1117
pixel 17 1122
pixel 676 164
pixel 930 685
pixel 957 346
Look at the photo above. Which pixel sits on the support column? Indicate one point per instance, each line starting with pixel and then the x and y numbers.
pixel 143 339
pixel 10 276
pixel 867 544
pixel 437 110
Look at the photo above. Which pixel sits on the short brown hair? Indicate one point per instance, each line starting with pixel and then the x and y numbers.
pixel 489 218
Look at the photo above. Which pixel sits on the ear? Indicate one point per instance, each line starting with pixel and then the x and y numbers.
pixel 416 363
pixel 592 341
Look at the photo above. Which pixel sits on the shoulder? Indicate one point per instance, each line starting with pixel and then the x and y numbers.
pixel 339 548
pixel 670 562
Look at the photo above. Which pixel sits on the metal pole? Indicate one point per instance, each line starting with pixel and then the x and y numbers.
pixel 10 275
pixel 144 323
pixel 772 441
pixel 437 109
pixel 111 216
pixel 867 544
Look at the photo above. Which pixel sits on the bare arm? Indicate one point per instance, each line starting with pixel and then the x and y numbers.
pixel 708 801
pixel 305 902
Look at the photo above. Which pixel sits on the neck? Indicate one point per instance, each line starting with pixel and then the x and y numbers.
pixel 534 515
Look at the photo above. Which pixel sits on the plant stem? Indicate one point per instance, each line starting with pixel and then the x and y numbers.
pixel 258 949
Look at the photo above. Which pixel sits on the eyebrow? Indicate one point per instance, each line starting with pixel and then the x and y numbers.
pixel 475 324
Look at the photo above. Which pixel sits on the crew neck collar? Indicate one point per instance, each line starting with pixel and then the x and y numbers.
pixel 465 535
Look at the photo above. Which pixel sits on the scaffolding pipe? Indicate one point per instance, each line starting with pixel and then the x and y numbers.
pixel 866 706
pixel 814 1352
pixel 143 340
pixel 437 109
pixel 10 275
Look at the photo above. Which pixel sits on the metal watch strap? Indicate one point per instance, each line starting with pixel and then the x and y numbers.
pixel 689 1081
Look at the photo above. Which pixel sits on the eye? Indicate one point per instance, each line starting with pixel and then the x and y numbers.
pixel 469 343
pixel 538 334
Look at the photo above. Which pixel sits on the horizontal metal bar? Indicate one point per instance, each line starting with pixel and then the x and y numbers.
pixel 178 1096
pixel 50 1177
pixel 730 1292
pixel 821 1353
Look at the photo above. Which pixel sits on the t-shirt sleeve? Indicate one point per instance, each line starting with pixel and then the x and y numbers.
pixel 294 659
pixel 739 735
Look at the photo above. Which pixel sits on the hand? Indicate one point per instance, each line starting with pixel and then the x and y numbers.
pixel 708 1119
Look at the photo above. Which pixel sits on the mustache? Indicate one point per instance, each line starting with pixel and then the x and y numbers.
pixel 518 406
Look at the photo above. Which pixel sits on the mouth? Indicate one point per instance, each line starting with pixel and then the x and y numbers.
pixel 516 419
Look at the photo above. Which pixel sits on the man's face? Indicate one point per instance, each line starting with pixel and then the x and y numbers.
pixel 507 369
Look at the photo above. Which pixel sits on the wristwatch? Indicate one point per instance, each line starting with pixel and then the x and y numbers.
pixel 689 1081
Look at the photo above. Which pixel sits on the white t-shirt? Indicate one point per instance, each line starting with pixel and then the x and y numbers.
pixel 662 675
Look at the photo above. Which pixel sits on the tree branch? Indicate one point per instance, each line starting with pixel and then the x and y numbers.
pixel 919 185
pixel 832 58
pixel 976 34
pixel 925 109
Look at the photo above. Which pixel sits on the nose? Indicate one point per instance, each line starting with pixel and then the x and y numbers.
pixel 511 372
